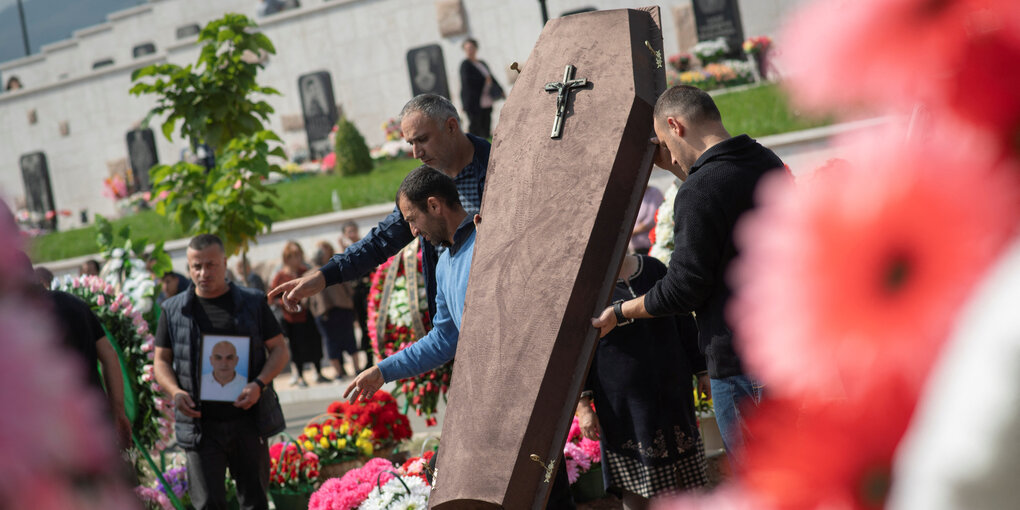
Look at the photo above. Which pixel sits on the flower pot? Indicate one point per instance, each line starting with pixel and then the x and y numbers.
pixel 710 434
pixel 337 468
pixel 589 485
pixel 286 499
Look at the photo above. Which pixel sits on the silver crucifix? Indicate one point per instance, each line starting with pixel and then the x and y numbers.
pixel 563 90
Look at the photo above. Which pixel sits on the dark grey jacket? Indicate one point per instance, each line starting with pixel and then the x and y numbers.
pixel 185 338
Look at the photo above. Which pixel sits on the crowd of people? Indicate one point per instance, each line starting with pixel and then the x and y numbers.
pixel 664 337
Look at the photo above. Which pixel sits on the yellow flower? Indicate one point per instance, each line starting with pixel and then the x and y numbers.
pixel 327 429
pixel 367 433
pixel 341 443
pixel 365 446
pixel 344 427
pixel 308 445
pixel 324 442
pixel 311 432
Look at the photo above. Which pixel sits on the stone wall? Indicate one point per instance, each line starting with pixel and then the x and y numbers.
pixel 361 43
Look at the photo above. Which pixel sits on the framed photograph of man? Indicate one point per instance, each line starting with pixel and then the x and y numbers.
pixel 224 367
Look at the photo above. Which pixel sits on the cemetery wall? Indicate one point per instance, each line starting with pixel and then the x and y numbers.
pixel 79 115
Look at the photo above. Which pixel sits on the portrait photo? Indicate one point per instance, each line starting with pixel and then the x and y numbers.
pixel 224 367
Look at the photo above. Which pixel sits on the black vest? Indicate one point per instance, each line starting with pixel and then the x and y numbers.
pixel 186 340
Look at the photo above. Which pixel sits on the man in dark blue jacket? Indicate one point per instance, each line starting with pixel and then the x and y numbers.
pixel 720 173
pixel 431 125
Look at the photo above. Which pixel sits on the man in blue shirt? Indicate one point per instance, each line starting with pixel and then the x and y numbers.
pixel 430 204
pixel 431 125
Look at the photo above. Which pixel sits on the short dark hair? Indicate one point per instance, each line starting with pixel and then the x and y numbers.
pixel 92 264
pixel 424 182
pixel 203 241
pixel 470 40
pixel 348 224
pixel 687 102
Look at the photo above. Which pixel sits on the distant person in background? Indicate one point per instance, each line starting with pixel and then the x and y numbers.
pixel 349 235
pixel 172 284
pixel 44 276
pixel 13 84
pixel 362 285
pixel 640 243
pixel 299 326
pixel 478 91
pixel 89 267
pixel 334 314
pixel 247 277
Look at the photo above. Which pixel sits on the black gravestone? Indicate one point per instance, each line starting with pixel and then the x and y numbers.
pixel 720 18
pixel 428 71
pixel 38 192
pixel 143 49
pixel 188 31
pixel 142 155
pixel 319 110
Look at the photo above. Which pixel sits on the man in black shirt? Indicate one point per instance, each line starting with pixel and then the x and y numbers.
pixel 217 435
pixel 720 174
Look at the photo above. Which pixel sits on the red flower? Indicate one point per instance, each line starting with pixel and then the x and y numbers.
pixel 857 274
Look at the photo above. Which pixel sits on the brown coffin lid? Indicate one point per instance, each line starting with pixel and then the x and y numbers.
pixel 557 215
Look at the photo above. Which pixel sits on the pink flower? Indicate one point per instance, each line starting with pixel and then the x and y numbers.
pixel 328 162
pixel 854 277
pixel 75 283
pixel 101 300
pixel 150 355
pixel 114 306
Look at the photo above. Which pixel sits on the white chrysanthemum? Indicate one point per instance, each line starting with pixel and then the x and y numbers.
pixel 410 502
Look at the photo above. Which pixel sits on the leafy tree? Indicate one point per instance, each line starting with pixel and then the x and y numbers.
pixel 214 103
pixel 352 155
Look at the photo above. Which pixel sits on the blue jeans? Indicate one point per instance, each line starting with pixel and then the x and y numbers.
pixel 731 396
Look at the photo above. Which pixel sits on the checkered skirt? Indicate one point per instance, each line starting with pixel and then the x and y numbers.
pixel 687 473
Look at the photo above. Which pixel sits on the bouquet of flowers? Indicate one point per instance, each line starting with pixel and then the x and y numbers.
pixel 115 188
pixel 757 45
pixel 711 51
pixel 384 424
pixel 404 492
pixel 153 418
pixel 336 440
pixel 398 315
pixel 350 491
pixel 291 469
pixel 580 453
pixel 155 496
pixel 680 62
pixel 392 129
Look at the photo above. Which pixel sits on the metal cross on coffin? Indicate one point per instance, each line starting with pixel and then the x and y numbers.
pixel 563 89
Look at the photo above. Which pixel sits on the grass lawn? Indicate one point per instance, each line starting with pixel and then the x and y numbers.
pixel 757 111
pixel 762 111
pixel 306 196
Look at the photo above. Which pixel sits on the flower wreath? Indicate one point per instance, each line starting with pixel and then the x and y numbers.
pixel 398 316
pixel 153 418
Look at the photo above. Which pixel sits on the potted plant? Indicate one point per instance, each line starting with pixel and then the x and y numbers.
pixel 293 475
pixel 711 51
pixel 338 446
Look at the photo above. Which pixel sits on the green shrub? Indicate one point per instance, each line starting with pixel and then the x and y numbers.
pixel 352 156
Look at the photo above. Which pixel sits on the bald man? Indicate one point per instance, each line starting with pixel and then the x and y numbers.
pixel 223 383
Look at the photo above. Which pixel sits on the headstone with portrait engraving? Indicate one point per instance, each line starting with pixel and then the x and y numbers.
pixel 428 71
pixel 720 18
pixel 38 191
pixel 142 154
pixel 319 110
pixel 569 163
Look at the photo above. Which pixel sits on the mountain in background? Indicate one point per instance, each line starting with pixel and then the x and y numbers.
pixel 50 21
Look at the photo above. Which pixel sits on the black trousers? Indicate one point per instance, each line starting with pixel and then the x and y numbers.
pixel 480 123
pixel 233 444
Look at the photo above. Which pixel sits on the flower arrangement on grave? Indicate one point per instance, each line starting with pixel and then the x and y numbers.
pixel 898 257
pixel 404 492
pixel 57 442
pixel 392 129
pixel 711 51
pixel 335 440
pixel 580 454
pixel 291 468
pixel 350 491
pixel 153 422
pixel 680 62
pixel 155 495
pixel 115 187
pixel 385 424
pixel 757 45
pixel 398 315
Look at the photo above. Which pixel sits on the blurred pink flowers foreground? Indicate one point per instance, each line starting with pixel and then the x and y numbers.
pixel 59 449
pixel 850 281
